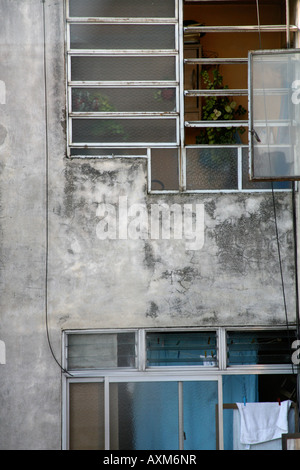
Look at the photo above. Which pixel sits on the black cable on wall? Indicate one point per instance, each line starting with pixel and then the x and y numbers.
pixel 47 190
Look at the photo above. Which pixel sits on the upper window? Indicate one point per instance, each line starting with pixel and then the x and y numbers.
pixel 101 351
pixel 167 81
pixel 274 114
pixel 123 75
pixel 143 350
pixel 259 347
pixel 181 349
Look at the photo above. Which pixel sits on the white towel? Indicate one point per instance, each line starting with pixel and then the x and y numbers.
pixel 261 422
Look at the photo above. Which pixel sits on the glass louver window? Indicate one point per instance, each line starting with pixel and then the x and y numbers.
pixel 181 349
pixel 101 351
pixel 143 76
pixel 122 73
pixel 259 347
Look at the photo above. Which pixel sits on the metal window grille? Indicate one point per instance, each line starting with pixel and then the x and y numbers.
pixel 128 93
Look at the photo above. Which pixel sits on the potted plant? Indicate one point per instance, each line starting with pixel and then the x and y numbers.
pixel 218 165
pixel 95 101
pixel 219 108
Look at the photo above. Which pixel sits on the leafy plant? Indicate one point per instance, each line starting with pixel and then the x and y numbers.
pixel 94 101
pixel 219 108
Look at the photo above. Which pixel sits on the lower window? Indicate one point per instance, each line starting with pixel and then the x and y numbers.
pixel 143 415
pixel 163 391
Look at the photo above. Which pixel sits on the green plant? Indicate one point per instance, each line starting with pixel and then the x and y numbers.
pixel 219 108
pixel 95 101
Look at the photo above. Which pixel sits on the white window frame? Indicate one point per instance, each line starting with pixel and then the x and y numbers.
pixel 163 373
pixel 288 123
pixel 107 380
pixel 178 114
pixel 127 84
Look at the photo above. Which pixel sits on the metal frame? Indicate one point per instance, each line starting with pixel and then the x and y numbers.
pixel 141 367
pixel 133 84
pixel 107 380
pixel 170 373
pixel 281 123
pixel 178 114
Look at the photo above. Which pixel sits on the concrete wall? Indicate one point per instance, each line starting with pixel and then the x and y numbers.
pixel 233 279
pixel 30 381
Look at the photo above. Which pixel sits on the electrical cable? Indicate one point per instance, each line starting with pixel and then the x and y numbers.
pixel 294 231
pixel 274 208
pixel 47 191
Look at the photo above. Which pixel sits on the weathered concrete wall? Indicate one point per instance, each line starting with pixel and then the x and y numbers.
pixel 30 382
pixel 233 279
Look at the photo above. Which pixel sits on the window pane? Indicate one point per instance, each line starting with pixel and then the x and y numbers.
pixel 123 99
pixel 247 184
pixel 236 389
pixel 144 416
pixel 120 8
pixel 164 169
pixel 123 68
pixel 275 115
pixel 128 36
pixel 86 416
pixel 181 349
pixel 211 168
pixel 109 350
pixel 260 347
pixel 199 404
pixel 124 130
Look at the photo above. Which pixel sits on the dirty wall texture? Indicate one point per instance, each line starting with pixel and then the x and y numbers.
pixel 30 380
pixel 230 276
pixel 224 273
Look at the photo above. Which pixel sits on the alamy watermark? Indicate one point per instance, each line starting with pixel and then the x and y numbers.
pixel 154 221
pixel 296 93
pixel 296 353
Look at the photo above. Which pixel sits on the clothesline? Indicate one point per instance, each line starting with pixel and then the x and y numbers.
pixel 233 406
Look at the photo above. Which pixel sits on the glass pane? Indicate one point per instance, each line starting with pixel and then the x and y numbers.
pixel 124 130
pixel 247 184
pixel 260 347
pixel 144 416
pixel 236 389
pixel 128 36
pixel 211 168
pixel 199 405
pixel 175 349
pixel 91 351
pixel 123 68
pixel 275 115
pixel 121 8
pixel 123 99
pixel 164 169
pixel 86 416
